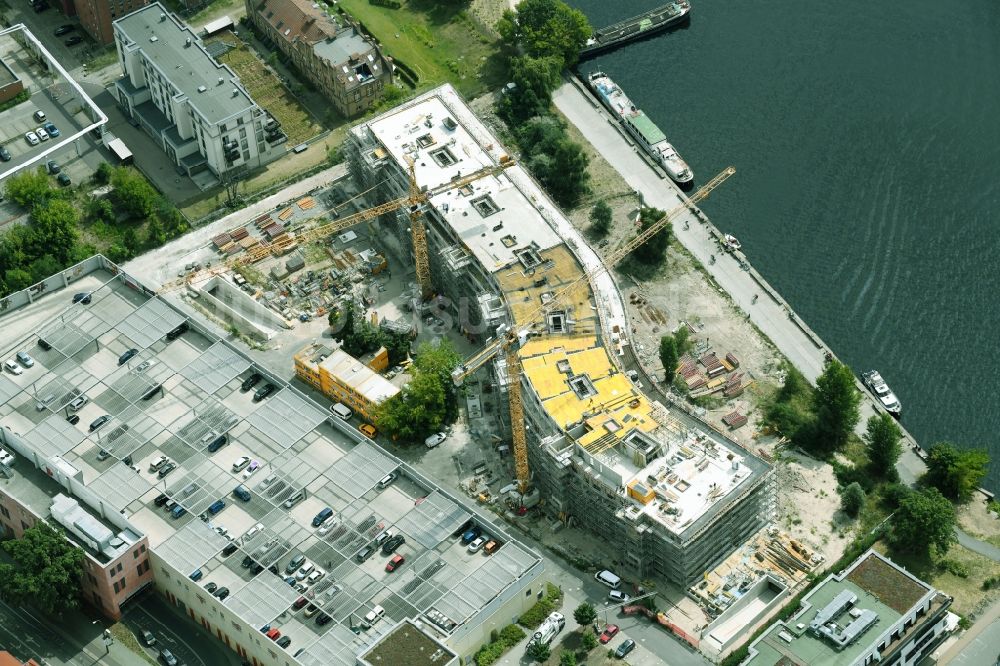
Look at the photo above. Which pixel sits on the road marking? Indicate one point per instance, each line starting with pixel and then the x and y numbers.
pixel 170 632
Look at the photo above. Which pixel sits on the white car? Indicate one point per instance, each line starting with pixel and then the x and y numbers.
pixel 6 458
pixel 435 439
pixel 12 367
pixel 42 134
pixel 327 526
pixel 478 543
pixel 31 138
pixel 240 463
pixel 251 468
pixel 314 577
pixel 618 597
pixel 253 531
pixel 306 570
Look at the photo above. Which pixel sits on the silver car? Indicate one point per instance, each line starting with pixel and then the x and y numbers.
pixel 31 138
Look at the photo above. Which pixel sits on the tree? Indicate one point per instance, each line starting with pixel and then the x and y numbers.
pixel 428 402
pixel 668 357
pixel 955 473
pixel 539 651
pixel 923 519
pixel 835 404
pixel 345 320
pixel 585 614
pixel 589 640
pixel 882 444
pixel 103 173
pixel 29 188
pixel 556 161
pixel 46 570
pixel 17 279
pixel 134 192
pixel 567 658
pixel 600 219
pixel 654 250
pixel 54 229
pixel 852 499
pixel 546 28
pixel 534 80
pixel 398 346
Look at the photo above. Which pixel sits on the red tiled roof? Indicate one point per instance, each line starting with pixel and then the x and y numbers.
pixel 296 19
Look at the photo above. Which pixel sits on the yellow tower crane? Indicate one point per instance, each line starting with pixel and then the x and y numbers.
pixel 506 342
pixel 415 200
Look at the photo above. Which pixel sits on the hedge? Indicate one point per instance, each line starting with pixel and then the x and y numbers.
pixel 535 615
pixel 509 636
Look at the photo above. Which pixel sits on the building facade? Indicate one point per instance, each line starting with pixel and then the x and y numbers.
pixel 347 67
pixel 97 16
pixel 345 379
pixel 674 495
pixel 193 106
pixel 873 612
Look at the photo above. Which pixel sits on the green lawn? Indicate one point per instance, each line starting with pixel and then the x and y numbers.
pixel 440 42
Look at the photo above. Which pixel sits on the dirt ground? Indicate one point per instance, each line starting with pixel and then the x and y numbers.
pixel 978 522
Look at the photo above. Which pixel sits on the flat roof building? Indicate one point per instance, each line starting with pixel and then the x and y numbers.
pixel 162 473
pixel 675 495
pixel 192 105
pixel 872 612
pixel 343 378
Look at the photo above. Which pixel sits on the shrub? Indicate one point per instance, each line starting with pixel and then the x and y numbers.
pixel 502 641
pixel 954 567
pixel 991 582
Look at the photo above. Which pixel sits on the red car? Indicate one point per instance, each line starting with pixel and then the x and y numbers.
pixel 395 563
pixel 299 603
pixel 274 634
pixel 609 632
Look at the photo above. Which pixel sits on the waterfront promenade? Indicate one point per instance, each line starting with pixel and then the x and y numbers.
pixel 733 272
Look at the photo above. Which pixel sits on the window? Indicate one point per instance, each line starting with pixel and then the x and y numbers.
pixel 24 525
pixel 122 583
pixel 142 548
pixel 116 587
pixel 135 554
pixel 443 157
pixel 138 570
pixel 485 206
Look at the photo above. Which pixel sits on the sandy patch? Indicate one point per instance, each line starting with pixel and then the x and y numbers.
pixel 978 522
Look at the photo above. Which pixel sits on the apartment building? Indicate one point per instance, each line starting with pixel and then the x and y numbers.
pixel 345 379
pixel 157 486
pixel 193 106
pixel 873 612
pixel 329 50
pixel 97 16
pixel 675 495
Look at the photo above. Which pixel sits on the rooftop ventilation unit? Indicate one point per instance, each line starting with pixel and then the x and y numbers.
pixel 187 42
pixel 221 80
pixel 163 17
pixel 235 92
pixel 154 38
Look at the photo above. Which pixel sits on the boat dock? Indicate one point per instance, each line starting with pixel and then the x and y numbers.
pixel 638 27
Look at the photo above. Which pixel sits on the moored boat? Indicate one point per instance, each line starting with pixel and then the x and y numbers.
pixel 873 380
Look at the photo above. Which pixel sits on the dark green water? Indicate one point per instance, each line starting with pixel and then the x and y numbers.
pixel 866 138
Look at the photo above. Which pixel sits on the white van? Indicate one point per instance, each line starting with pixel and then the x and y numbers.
pixel 341 411
pixel 608 578
pixel 373 616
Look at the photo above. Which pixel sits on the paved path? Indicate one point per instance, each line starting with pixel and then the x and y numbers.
pixel 981 547
pixel 980 645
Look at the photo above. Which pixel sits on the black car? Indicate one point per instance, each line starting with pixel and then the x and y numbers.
pixel 4 154
pixel 229 549
pixel 466 526
pixel 221 593
pixel 322 619
pixel 73 419
pixel 74 40
pixel 161 499
pixel 39 6
pixel 211 587
pixel 251 381
pixel 284 642
pixel 82 297
pixel 177 332
pixel 53 167
pixel 151 393
pixel 264 391
pixel 98 422
pixel 166 469
pixel 390 546
pixel 124 358
pixel 273 569
pixel 256 568
pixel 625 648
pixel 64 29
pixel 247 561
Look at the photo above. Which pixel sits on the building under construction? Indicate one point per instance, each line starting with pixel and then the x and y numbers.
pixel 674 494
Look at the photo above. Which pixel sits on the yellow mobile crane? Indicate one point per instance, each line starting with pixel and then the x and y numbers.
pixel 415 200
pixel 506 342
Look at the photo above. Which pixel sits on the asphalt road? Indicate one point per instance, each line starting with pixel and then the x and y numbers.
pixel 187 640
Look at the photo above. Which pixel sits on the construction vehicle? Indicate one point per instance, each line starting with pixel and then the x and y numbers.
pixel 415 201
pixel 509 341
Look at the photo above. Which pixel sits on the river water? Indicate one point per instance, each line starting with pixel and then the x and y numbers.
pixel 866 138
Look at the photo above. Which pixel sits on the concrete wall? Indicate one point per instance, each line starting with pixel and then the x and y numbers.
pixel 731 624
pixel 237 309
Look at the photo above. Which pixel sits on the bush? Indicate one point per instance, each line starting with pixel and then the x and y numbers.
pixel 852 499
pixel 502 641
pixel 991 582
pixel 953 567
pixel 535 615
pixel 589 640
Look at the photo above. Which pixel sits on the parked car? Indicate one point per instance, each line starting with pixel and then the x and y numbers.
pixel 127 355
pixel 4 154
pixel 39 116
pixel 251 468
pixel 11 366
pixel 77 403
pixel 6 458
pixel 627 646
pixel 618 597
pixel 31 138
pixel 64 180
pixel 73 419
pixel 297 561
pixel 168 658
pixel 148 638
pixel 477 544
pixel 299 603
pixel 304 571
pixel 390 546
pixel 367 430
pixel 609 632
pixel 64 29
pixel 51 129
pixel 363 554
pixel 250 382
pixel 320 517
pixel 74 40
pixel 435 439
pixel 83 297
pixel 322 619
pixel 167 468
pixel 211 587
pixel 41 134
pixel 264 391
pixel 241 463
pixel 284 642
pixel 178 331
pixel 221 593
pixel 52 167
pixel 394 563
pixel 24 359
pixel 229 549
pixel 472 534
pixel 99 421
